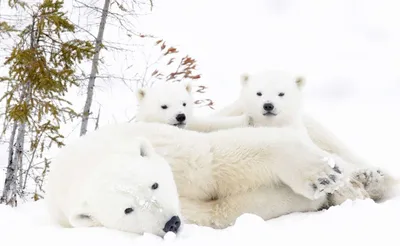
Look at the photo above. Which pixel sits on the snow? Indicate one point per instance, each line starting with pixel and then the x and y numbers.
pixel 349 52
pixel 355 222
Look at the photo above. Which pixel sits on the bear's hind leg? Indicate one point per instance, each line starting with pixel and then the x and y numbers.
pixel 376 182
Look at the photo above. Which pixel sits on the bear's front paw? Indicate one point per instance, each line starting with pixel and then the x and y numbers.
pixel 324 181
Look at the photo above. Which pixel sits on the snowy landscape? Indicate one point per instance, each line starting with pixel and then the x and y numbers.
pixel 349 53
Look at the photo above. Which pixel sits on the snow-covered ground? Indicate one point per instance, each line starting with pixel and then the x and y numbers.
pixel 349 52
pixel 357 223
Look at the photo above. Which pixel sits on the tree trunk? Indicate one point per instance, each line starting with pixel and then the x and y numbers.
pixel 10 184
pixel 15 164
pixel 97 121
pixel 93 72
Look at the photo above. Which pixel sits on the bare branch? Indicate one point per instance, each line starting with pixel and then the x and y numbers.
pixel 93 72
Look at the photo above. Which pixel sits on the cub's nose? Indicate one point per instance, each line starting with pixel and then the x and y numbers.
pixel 268 106
pixel 173 224
pixel 180 117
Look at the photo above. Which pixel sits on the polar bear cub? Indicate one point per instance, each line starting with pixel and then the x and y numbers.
pixel 274 98
pixel 223 174
pixel 172 103
pixel 118 183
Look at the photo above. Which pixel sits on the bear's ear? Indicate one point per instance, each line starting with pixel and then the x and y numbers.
pixel 140 93
pixel 244 78
pixel 81 217
pixel 188 87
pixel 145 147
pixel 300 82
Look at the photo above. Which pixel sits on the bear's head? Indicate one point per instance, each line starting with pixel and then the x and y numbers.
pixel 272 98
pixel 132 190
pixel 167 103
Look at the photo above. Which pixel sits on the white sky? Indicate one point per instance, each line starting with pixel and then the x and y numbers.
pixel 356 41
pixel 347 49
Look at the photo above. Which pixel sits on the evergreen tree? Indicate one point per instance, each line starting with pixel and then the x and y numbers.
pixel 42 68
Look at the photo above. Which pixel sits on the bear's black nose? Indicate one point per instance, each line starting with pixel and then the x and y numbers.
pixel 268 106
pixel 180 117
pixel 173 224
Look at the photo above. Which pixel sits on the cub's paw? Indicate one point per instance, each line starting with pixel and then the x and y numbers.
pixel 249 120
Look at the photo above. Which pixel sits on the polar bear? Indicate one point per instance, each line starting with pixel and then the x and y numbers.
pixel 172 103
pixel 118 183
pixel 223 174
pixel 274 98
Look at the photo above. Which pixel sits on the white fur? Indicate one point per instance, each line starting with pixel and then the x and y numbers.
pixel 222 174
pixel 176 98
pixel 287 108
pixel 288 111
pixel 93 181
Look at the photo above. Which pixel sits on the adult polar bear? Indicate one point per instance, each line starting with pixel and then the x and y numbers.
pixel 274 98
pixel 123 185
pixel 221 175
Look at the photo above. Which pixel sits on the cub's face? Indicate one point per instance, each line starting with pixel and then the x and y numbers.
pixel 273 98
pixel 133 192
pixel 167 103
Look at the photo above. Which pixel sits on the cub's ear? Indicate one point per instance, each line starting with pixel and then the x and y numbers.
pixel 300 82
pixel 145 147
pixel 140 93
pixel 244 78
pixel 188 87
pixel 81 217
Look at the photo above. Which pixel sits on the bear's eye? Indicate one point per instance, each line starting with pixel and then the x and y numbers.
pixel 164 106
pixel 281 94
pixel 128 210
pixel 184 104
pixel 259 94
pixel 154 186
